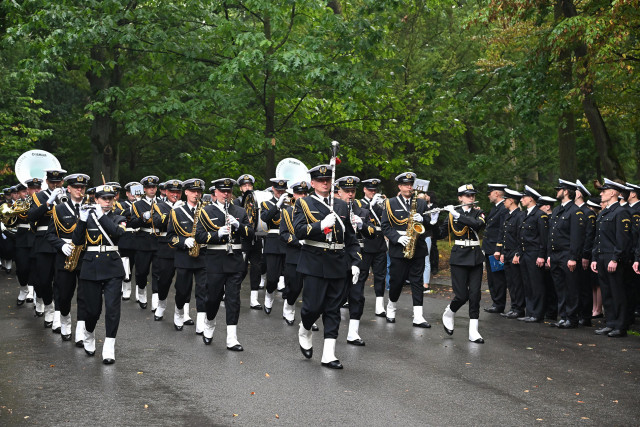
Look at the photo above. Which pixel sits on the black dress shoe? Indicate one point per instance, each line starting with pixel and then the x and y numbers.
pixel 157 318
pixel 236 347
pixel 199 333
pixel 514 315
pixel 584 322
pixel 334 364
pixel 108 361
pixel 478 341
pixel 603 331
pixel 617 333
pixel 39 314
pixel 424 324
pixel 533 320
pixel 557 324
pixel 383 314
pixel 29 300
pixel 19 302
pixel 447 330
pixel 126 298
pixel 79 344
pixel 256 307
pixel 315 328
pixel 598 316
pixel 153 310
pixel 267 309
pixel 189 322
pixel 359 342
pixel 523 318
pixel 47 324
pixel 56 330
pixel 307 353
pixel 65 337
pixel 493 309
pixel 206 340
pixel 90 353
pixel 390 320
pixel 507 313
pixel 178 328
pixel 289 322
pixel 143 305
pixel 568 325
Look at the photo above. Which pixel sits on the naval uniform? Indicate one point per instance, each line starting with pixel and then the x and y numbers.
pixel 274 249
pixel 508 247
pixel 533 245
pixel 374 250
pixel 496 279
pixel 355 292
pixel 253 250
pixel 292 278
pixel 585 296
pixel 127 243
pixel 24 239
pixel 146 251
pixel 166 253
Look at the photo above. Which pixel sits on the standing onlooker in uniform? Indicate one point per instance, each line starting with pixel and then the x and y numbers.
pixel 584 271
pixel 495 221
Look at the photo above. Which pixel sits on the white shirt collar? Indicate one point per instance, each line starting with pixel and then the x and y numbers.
pixel 501 201
pixel 530 209
pixel 565 203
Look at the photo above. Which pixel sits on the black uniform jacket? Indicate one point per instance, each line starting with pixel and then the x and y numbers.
pixel 367 232
pixel 39 216
pixel 613 235
pixel 394 224
pixel 165 250
pixel 61 227
pixel 466 227
pixel 508 244
pixel 589 230
pixel 288 236
pixel 25 237
pixel 377 243
pixel 493 228
pixel 145 240
pixel 322 262
pixel 180 229
pixel 566 232
pixel 270 214
pixel 211 218
pixel 100 265
pixel 128 239
pixel 533 236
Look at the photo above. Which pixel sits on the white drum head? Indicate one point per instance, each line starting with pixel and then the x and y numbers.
pixel 33 164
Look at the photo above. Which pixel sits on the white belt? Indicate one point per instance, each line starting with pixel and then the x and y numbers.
pixel 146 230
pixel 378 228
pixel 361 244
pixel 402 233
pixel 42 228
pixel 24 226
pixel 467 242
pixel 164 233
pixel 224 247
pixel 323 245
pixel 273 231
pixel 131 229
pixel 302 242
pixel 102 248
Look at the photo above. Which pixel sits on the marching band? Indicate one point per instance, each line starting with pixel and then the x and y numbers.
pixel 314 238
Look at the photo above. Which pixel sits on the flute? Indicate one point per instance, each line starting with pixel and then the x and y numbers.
pixel 441 209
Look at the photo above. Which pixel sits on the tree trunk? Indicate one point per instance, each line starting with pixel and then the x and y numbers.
pixel 269 112
pixel 335 6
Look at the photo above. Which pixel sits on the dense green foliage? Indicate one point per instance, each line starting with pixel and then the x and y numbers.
pixel 457 91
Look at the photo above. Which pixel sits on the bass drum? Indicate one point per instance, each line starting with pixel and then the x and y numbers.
pixel 252 203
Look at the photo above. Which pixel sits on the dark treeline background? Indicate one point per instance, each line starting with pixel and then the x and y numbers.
pixel 514 91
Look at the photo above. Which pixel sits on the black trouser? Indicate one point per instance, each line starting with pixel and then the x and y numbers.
pixel 23 266
pixel 614 295
pixel 184 284
pixel 131 254
pixel 66 283
pixel 143 260
pixel 401 270
pixel 567 286
pixel 166 271
pixel 8 247
pixel 355 295
pixel 275 266
pixel 227 285
pixel 466 282
pixel 550 296
pixel 533 283
pixel 93 291
pixel 377 261
pixel 630 280
pixel 497 286
pixel 434 256
pixel 293 283
pixel 45 266
pixel 515 286
pixel 322 297
pixel 585 291
pixel 254 257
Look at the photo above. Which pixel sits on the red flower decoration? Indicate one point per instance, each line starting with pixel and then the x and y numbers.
pixel 326 230
pixel 338 161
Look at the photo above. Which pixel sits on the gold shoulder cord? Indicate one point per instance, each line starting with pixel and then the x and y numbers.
pixel 205 216
pixel 307 212
pixel 465 230
pixel 135 210
pixel 177 227
pixel 288 221
pixel 392 217
pixel 60 226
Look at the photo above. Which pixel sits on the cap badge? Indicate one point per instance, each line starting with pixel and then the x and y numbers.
pixel 323 169
pixel 80 179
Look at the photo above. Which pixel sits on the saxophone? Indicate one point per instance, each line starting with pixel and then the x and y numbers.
pixel 195 250
pixel 414 229
pixel 71 262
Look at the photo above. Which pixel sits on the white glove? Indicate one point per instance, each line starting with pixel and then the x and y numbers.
pixel 234 222
pixel 223 231
pixel 452 211
pixel 54 195
pixel 404 240
pixel 434 217
pixel 146 215
pixel 190 242
pixel 84 215
pixel 417 217
pixel 328 221
pixel 281 200
pixel 355 272
pixel 358 222
pixel 177 204
pixel 67 249
pixel 377 198
pixel 99 212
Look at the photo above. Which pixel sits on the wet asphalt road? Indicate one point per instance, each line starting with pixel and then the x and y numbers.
pixel 523 374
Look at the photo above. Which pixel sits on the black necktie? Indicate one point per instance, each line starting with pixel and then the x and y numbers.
pixel 326 200
pixel 76 208
pixel 193 211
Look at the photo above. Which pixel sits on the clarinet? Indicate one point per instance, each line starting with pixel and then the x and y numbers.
pixel 227 223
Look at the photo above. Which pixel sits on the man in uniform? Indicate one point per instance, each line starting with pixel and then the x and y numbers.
pixel 374 251
pixel 45 255
pixel 495 221
pixel 223 226
pixel 274 249
pixel 394 226
pixel 181 235
pixel 611 249
pixel 545 204
pixel 564 251
pixel 59 234
pixel 633 279
pixel 585 303
pixel 127 243
pixel 7 243
pixel 24 245
pixel 324 261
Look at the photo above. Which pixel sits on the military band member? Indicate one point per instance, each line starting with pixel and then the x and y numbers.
pixel 146 216
pixel 611 249
pixel 102 271
pixel 324 261
pixel 374 251
pixel 166 252
pixel 545 204
pixel 274 249
pixel 8 239
pixel 64 219
pixel 223 226
pixel 252 248
pixel 395 218
pixel 292 278
pixel 564 251
pixel 127 243
pixel 507 253
pixel 24 245
pixel 45 255
pixel 495 221
pixel 182 237
pixel 585 296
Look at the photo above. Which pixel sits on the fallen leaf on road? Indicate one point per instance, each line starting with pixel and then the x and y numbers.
pixel 579 344
pixel 9 352
pixel 146 406
pixel 235 415
pixel 549 379
pixel 577 394
pixel 277 416
pixel 52 366
pixel 252 393
pixel 580 401
pixel 584 418
pixel 27 417
pixel 539 419
pixel 591 345
pixel 529 348
pixel 267 375
pixel 614 401
pixel 526 391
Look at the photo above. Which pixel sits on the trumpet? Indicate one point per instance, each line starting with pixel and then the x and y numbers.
pixel 456 206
